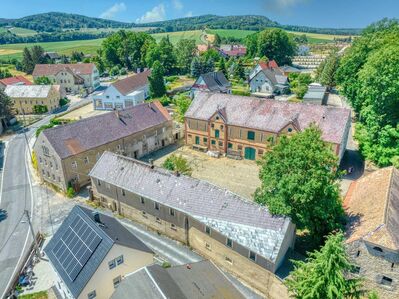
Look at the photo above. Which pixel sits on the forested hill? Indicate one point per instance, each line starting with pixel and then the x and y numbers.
pixel 56 21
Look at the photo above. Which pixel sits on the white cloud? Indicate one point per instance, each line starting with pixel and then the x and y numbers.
pixel 281 5
pixel 156 14
pixel 111 12
pixel 177 4
pixel 188 14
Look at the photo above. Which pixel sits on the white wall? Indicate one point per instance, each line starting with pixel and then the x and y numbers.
pixel 111 98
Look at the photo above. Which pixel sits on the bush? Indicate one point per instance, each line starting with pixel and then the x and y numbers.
pixel 34 160
pixel 63 101
pixel 241 92
pixel 178 164
pixel 123 72
pixel 165 101
pixel 114 71
pixel 70 192
pixel 40 109
pixel 166 265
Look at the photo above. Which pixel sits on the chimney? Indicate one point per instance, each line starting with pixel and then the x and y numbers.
pixel 96 216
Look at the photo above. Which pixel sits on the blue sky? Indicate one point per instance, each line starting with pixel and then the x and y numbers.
pixel 319 13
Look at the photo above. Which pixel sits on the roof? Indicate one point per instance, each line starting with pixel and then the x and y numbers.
pixel 74 138
pixel 28 91
pixel 17 80
pixel 270 115
pixel 52 55
pixel 52 69
pixel 372 205
pixel 315 92
pixel 290 69
pixel 275 76
pixel 198 280
pixel 243 221
pixel 216 81
pixel 271 64
pixel 233 50
pixel 105 234
pixel 130 84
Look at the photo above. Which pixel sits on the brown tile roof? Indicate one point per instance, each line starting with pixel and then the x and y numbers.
pixel 71 139
pixel 271 64
pixel 52 69
pixel 129 84
pixel 15 81
pixel 372 206
pixel 271 115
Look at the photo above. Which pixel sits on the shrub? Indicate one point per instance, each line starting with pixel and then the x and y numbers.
pixel 241 92
pixel 177 163
pixel 40 109
pixel 63 101
pixel 34 160
pixel 165 101
pixel 70 192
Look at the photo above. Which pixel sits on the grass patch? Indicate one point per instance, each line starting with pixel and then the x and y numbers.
pixel 19 31
pixel 38 295
pixel 176 36
pixel 229 33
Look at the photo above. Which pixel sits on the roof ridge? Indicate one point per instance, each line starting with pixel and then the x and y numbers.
pixel 387 204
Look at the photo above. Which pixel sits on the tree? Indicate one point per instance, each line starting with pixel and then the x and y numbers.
pixel 223 67
pixel 42 81
pixel 196 67
pixel 275 44
pixel 239 72
pixel 299 179
pixel 5 105
pixel 299 83
pixel 328 71
pixel 210 54
pixel 5 73
pixel 77 56
pixel 200 66
pixel 325 274
pixel 157 84
pixel 178 164
pixel 182 103
pixel 168 58
pixel 185 52
pixel 27 61
pixel 217 40
pixel 38 55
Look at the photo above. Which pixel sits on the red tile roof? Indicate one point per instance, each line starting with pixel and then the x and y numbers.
pixel 272 64
pixel 15 81
pixel 52 69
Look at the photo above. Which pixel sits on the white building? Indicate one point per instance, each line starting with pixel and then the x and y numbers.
pixel 124 93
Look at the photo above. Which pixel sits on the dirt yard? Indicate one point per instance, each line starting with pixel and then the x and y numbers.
pixel 240 176
pixel 83 112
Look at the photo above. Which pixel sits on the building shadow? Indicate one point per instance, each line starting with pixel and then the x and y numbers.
pixel 352 164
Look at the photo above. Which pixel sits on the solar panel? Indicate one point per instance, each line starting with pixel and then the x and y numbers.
pixel 76 246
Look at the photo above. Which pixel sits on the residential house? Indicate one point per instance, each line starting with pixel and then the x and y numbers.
pixel 91 253
pixel 214 81
pixel 66 154
pixel 316 94
pixel 288 69
pixel 234 51
pixel 30 99
pixel 124 93
pixel 237 234
pixel 202 48
pixel 267 78
pixel 372 207
pixel 17 80
pixel 73 78
pixel 52 56
pixel 155 282
pixel 245 127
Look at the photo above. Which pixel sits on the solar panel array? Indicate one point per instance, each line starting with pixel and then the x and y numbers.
pixel 76 247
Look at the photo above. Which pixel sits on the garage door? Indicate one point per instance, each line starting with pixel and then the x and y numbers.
pixel 250 153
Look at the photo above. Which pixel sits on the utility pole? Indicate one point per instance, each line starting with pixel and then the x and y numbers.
pixel 33 235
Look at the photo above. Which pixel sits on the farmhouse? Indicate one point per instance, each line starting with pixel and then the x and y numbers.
pixel 65 154
pixel 372 207
pixel 124 93
pixel 235 51
pixel 34 99
pixel 73 78
pixel 235 233
pixel 91 252
pixel 239 126
pixel 17 80
pixel 267 78
pixel 214 81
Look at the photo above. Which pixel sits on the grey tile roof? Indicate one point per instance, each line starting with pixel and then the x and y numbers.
pixel 315 92
pixel 216 81
pixel 71 139
pixel 28 91
pixel 271 115
pixel 246 222
pixel 109 231
pixel 275 76
pixel 197 280
pixel 131 83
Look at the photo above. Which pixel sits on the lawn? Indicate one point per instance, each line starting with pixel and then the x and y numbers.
pixel 176 36
pixel 228 33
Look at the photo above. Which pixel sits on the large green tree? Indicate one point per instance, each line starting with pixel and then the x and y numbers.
pixel 27 61
pixel 185 52
pixel 182 103
pixel 157 84
pixel 5 105
pixel 299 179
pixel 164 52
pixel 326 74
pixel 325 274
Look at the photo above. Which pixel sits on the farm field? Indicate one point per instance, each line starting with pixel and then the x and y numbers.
pixel 226 33
pixel 19 31
pixel 176 36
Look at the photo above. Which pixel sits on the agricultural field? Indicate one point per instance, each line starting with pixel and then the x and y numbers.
pixel 228 33
pixel 19 31
pixel 176 36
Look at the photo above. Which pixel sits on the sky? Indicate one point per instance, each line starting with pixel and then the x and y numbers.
pixel 316 13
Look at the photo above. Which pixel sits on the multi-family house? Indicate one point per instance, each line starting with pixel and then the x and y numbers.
pixel 33 99
pixel 245 127
pixel 124 93
pixel 372 233
pixel 73 78
pixel 214 82
pixel 91 253
pixel 65 154
pixel 237 234
pixel 156 282
pixel 17 80
pixel 268 78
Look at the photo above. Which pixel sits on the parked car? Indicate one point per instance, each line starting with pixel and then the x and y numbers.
pixel 3 214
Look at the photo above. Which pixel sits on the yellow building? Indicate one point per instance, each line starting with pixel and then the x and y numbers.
pixel 34 99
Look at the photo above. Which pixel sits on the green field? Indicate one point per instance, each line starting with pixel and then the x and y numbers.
pixel 19 31
pixel 176 36
pixel 228 33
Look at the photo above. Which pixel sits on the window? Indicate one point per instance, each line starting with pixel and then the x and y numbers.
pixel 230 145
pixel 229 260
pixel 92 295
pixel 74 164
pixel 355 270
pixel 208 230
pixel 172 226
pixel 123 192
pixel 171 212
pixel 108 185
pixel 260 152
pixel 208 246
pixel 289 130
pixel 217 133
pixel 221 128
pixel 111 264
pixel 142 200
pixel 86 160
pixel 212 126
pixel 98 182
pixel 239 147
pixel 119 260
pixel 220 143
pixel 117 281
pixel 358 253
pixel 386 281
pixel 376 248
pixel 158 220
pixel 213 142
pixel 251 135
pixel 229 242
pixel 156 206
pixel 252 256
pixel 205 140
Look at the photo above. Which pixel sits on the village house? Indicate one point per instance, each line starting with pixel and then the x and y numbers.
pixel 66 154
pixel 17 80
pixel 54 57
pixel 73 78
pixel 156 282
pixel 124 93
pixel 316 94
pixel 92 252
pixel 34 99
pixel 245 127
pixel 234 51
pixel 214 82
pixel 236 234
pixel 372 207
pixel 267 78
